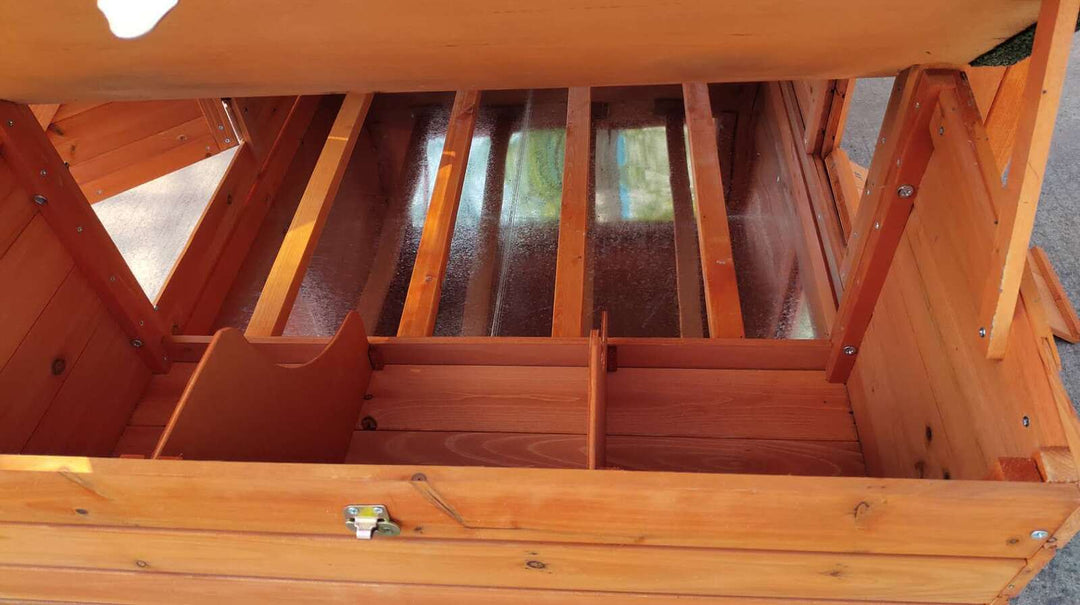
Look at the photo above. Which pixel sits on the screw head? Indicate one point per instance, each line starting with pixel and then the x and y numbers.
pixel 850 350
pixel 877 226
pixel 941 130
pixel 352 510
pixel 40 200
pixel 378 510
pixel 78 229
pixel 43 172
pixel 221 127
pixel 982 332
pixel 1025 421
pixel 136 342
pixel 11 123
pixel 905 191
pixel 1040 534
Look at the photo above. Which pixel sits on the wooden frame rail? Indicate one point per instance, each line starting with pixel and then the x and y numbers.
pixel 883 212
pixel 425 286
pixel 714 238
pixel 282 285
pixel 47 180
pixel 569 315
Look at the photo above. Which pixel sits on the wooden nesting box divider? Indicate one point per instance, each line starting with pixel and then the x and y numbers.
pixel 534 313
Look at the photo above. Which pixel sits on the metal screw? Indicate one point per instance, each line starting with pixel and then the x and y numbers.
pixel 221 127
pixel 1040 534
pixel 850 350
pixel 112 278
pixel 228 141
pixel 136 342
pixel 917 104
pixel 352 510
pixel 941 130
pixel 40 200
pixel 78 229
pixel 11 123
pixel 378 510
pixel 905 191
pixel 43 172
pixel 982 332
pixel 877 226
pixel 1025 421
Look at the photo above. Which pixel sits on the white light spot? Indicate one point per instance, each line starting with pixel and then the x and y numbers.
pixel 133 18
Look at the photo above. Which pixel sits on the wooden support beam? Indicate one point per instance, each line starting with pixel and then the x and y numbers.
pixel 845 189
pixel 840 104
pixel 884 211
pixel 425 286
pixel 1004 114
pixel 43 175
pixel 1042 94
pixel 283 283
pixel 194 310
pixel 714 236
pixel 569 316
pixel 596 431
pixel 217 120
pixel 687 259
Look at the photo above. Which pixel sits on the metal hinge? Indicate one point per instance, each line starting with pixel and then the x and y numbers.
pixel 370 519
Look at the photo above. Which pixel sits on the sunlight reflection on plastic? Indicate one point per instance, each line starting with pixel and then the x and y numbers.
pixel 133 18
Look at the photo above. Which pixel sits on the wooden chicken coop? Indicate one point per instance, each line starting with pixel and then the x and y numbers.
pixel 578 302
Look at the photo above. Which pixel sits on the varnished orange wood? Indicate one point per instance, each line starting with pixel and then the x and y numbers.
pixel 569 317
pixel 239 406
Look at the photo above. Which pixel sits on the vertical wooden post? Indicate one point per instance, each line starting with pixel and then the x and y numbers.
pixel 425 286
pixel 1042 94
pixel 884 211
pixel 568 316
pixel 596 432
pixel 714 236
pixel 687 259
pixel 283 283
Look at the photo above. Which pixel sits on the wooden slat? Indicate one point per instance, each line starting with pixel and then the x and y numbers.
pixel 88 414
pixel 517 450
pixel 507 564
pixel 136 587
pixel 282 285
pixel 425 286
pixel 479 398
pixel 114 125
pixel 1042 94
pixel 900 516
pixel 845 190
pixel 1056 465
pixel 883 214
pixel 714 238
pixel 30 273
pixel 238 406
pixel 42 172
pixel 32 376
pixel 121 158
pixel 731 353
pixel 133 175
pixel 1004 115
pixel 687 260
pixel 239 240
pixel 15 212
pixel 751 404
pixel 217 120
pixel 163 392
pixel 842 93
pixel 570 317
pixel 596 429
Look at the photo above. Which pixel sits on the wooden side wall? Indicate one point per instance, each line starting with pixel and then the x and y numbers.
pixel 927 401
pixel 68 375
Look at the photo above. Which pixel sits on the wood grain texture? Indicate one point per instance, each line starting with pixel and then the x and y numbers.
pixel 894 516
pixel 517 450
pixel 415 46
pixel 505 564
pixel 1063 318
pixel 1042 95
pixel 714 237
pixel 429 269
pixel 479 398
pixel 687 258
pixel 569 317
pixel 596 428
pixel 44 359
pixel 15 209
pixel 142 587
pixel 238 406
pixel 752 404
pixel 283 284
pixel 41 171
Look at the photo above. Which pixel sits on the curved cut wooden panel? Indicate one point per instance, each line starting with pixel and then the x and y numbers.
pixel 241 406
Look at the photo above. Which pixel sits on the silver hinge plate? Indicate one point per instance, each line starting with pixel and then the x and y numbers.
pixel 368 520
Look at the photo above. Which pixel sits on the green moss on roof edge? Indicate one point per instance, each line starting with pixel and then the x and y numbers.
pixel 1011 51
